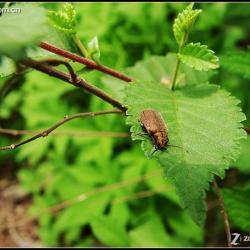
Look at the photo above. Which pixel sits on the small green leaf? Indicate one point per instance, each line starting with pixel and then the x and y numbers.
pixel 93 49
pixel 70 12
pixel 209 135
pixel 60 39
pixel 22 30
pixel 65 19
pixel 198 56
pixel 184 22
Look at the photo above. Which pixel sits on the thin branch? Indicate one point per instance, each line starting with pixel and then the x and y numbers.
pixel 78 83
pixel 58 124
pixel 15 132
pixel 85 61
pixel 57 62
pixel 224 213
pixel 105 188
pixel 139 195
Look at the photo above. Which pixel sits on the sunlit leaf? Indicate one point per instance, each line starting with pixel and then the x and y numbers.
pixel 198 56
pixel 208 136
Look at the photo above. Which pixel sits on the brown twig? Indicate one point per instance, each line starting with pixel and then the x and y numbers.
pixel 58 124
pixel 139 195
pixel 85 61
pixel 224 213
pixel 106 188
pixel 78 83
pixel 15 132
pixel 57 62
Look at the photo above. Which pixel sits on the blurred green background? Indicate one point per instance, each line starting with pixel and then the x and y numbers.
pixel 141 208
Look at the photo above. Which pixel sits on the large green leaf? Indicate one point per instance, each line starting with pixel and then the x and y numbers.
pixel 158 69
pixel 204 121
pixel 198 56
pixel 20 31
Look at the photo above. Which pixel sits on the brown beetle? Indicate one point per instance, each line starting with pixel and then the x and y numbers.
pixel 153 124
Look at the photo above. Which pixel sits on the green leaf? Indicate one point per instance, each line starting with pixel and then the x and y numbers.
pixel 22 30
pixel 120 212
pixel 81 213
pixel 93 49
pixel 157 69
pixel 60 39
pixel 204 121
pixel 237 62
pixel 65 19
pixel 198 56
pixel 109 231
pixel 184 22
pixel 237 202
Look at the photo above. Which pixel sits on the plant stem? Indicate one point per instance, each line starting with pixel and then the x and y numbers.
pixel 176 73
pixel 58 124
pixel 81 47
pixel 178 61
pixel 85 61
pixel 224 213
pixel 79 83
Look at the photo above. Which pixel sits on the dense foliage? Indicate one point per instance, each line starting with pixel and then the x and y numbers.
pixel 115 196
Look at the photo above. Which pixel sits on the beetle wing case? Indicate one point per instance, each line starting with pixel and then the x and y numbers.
pixel 152 122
